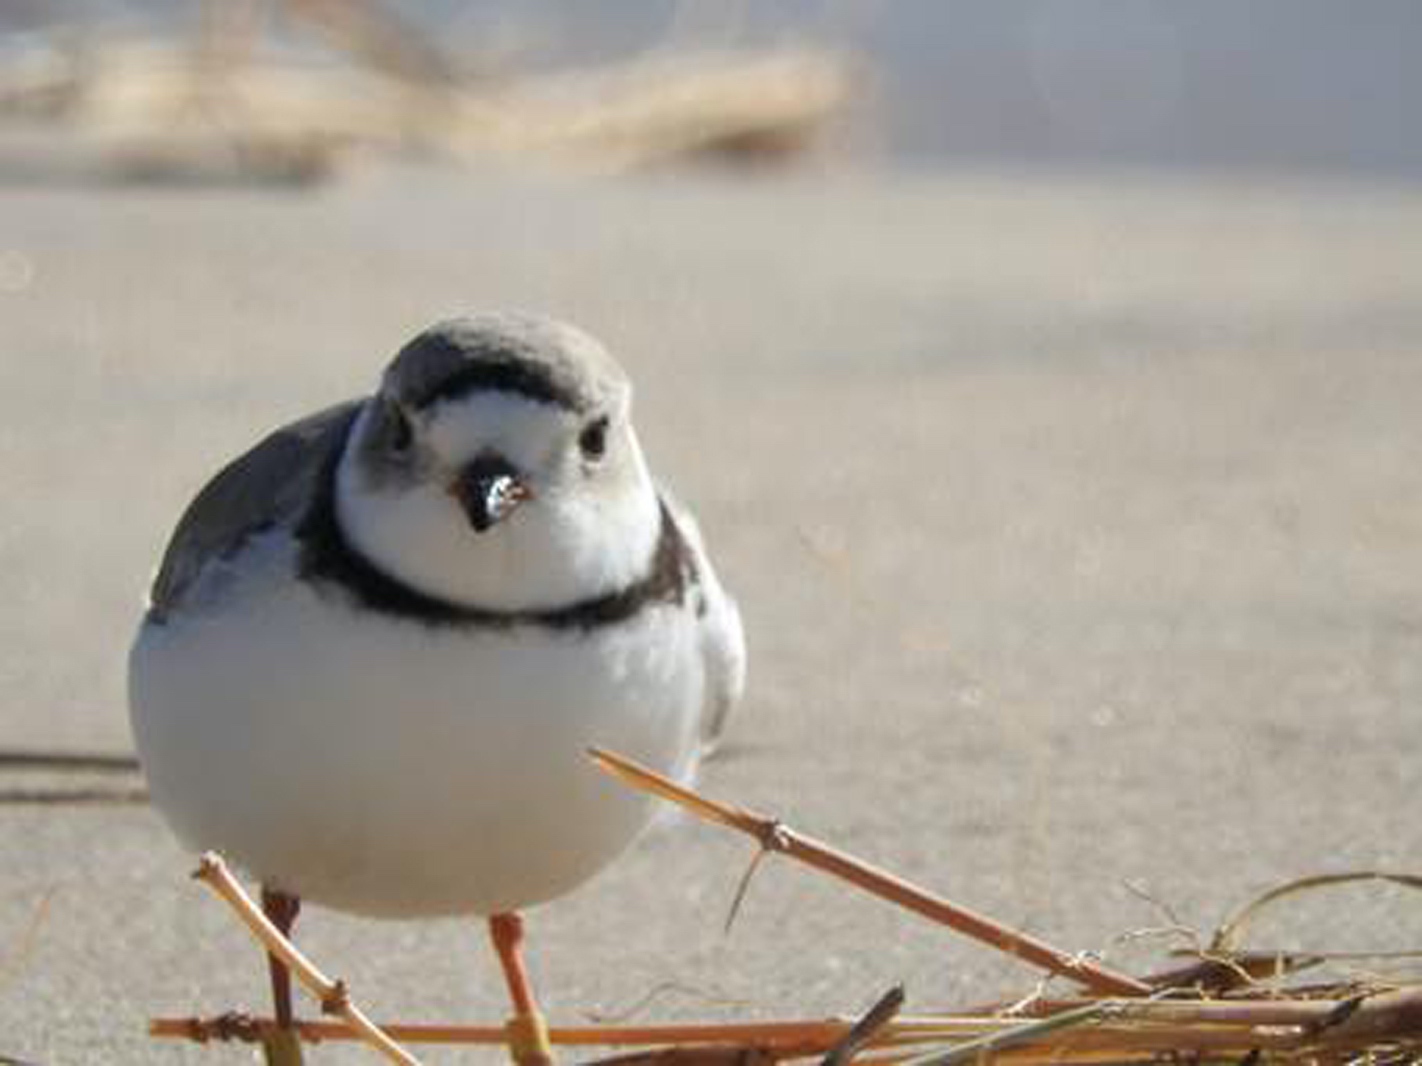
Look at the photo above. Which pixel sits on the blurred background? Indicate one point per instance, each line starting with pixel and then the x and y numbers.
pixel 1266 84
pixel 1045 375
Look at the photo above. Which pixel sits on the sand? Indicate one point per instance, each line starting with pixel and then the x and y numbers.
pixel 1075 519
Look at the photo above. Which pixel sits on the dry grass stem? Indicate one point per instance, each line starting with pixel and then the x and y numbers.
pixel 1079 1031
pixel 775 836
pixel 332 995
pixel 1231 1007
pixel 866 1028
pixel 1026 1033
pixel 1227 937
pixel 806 1037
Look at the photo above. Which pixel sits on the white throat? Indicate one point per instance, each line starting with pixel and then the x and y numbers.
pixel 559 549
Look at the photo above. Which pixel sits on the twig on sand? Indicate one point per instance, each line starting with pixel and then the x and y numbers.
pixel 1238 1020
pixel 1026 1033
pixel 332 995
pixel 866 1028
pixel 775 836
pixel 1087 1031
pixel 1227 937
pixel 783 1038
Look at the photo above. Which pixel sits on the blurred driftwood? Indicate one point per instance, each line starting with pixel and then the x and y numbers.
pixel 221 103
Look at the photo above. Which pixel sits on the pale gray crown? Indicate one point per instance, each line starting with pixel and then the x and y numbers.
pixel 538 358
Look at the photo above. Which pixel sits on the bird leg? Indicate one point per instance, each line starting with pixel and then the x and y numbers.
pixel 527 1031
pixel 284 1046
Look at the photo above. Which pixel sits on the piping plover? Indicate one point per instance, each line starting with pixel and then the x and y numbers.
pixel 381 641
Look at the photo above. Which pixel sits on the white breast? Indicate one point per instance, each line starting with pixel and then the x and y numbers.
pixel 387 767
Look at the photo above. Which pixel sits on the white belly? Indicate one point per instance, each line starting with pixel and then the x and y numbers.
pixel 385 767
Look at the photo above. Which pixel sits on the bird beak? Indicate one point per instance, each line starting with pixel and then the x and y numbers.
pixel 489 489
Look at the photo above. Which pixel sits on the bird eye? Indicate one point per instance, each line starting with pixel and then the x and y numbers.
pixel 593 439
pixel 398 433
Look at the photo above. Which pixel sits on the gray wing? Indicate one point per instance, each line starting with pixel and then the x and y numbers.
pixel 723 645
pixel 270 483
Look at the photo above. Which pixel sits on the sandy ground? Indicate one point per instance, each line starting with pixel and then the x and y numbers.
pixel 1075 520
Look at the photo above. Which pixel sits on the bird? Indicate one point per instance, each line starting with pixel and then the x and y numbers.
pixel 380 642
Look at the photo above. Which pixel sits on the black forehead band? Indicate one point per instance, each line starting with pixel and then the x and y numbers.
pixel 464 368
pixel 529 380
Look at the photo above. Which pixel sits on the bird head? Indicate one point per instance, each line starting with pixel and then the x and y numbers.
pixel 496 466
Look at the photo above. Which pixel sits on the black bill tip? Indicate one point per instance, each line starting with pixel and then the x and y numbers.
pixel 489 489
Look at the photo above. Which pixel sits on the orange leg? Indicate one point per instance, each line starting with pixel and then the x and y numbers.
pixel 527 1031
pixel 282 910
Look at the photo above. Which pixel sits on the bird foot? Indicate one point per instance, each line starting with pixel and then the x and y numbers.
pixel 281 1047
pixel 528 1040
